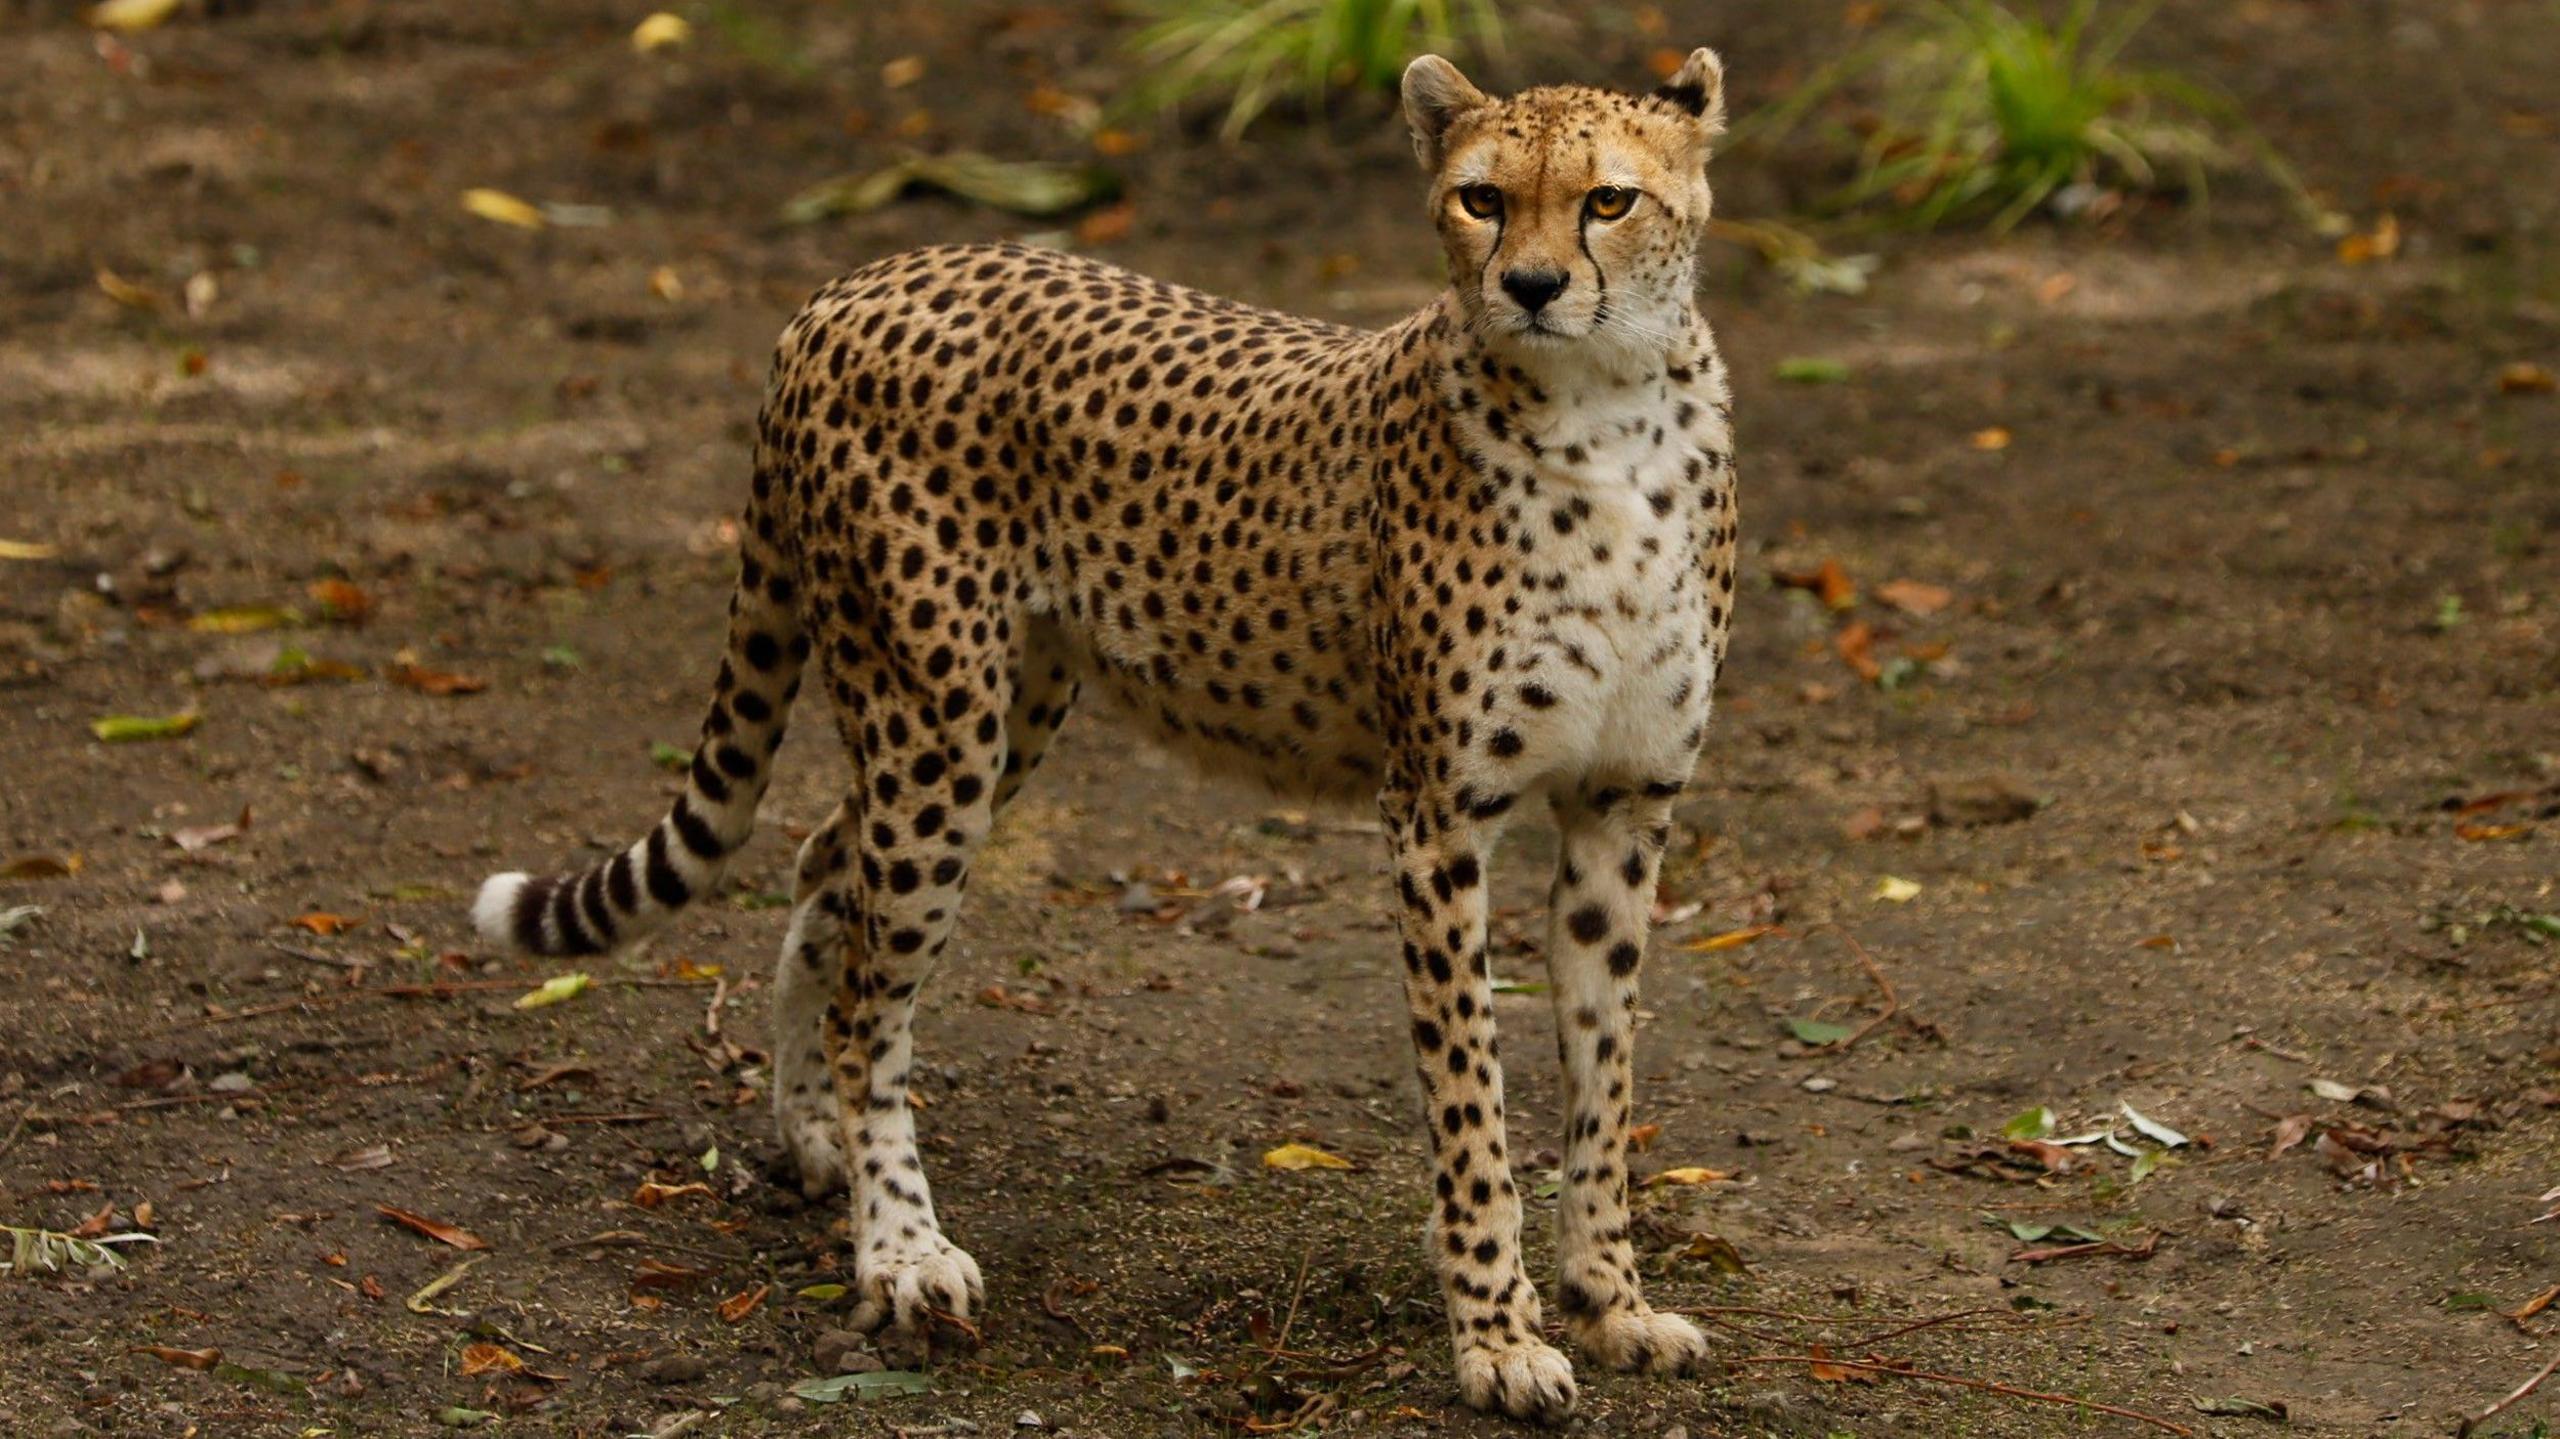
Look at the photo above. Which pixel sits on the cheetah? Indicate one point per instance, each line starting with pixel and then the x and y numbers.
pixel 1481 557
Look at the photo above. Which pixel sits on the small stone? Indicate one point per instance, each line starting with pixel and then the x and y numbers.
pixel 844 1351
pixel 790 1404
pixel 1986 799
pixel 676 1369
pixel 236 1082
pixel 1820 1085
pixel 1139 898
pixel 1676 1431
pixel 1028 1419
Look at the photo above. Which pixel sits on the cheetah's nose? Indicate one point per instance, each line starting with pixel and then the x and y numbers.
pixel 1533 288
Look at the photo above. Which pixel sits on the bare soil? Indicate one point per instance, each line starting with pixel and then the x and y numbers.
pixel 2258 604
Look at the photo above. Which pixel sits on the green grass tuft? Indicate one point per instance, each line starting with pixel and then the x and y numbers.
pixel 1254 54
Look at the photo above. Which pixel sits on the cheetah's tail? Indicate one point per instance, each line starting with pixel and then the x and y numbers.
pixel 616 901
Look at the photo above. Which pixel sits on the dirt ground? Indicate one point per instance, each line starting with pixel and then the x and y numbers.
pixel 2257 609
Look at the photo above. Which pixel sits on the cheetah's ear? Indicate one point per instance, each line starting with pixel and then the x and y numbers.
pixel 1696 89
pixel 1434 95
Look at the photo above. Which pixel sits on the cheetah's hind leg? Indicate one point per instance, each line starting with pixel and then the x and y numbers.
pixel 813 960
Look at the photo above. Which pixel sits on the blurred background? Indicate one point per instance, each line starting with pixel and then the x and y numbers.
pixel 2149 665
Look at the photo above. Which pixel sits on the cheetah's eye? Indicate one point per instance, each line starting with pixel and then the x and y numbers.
pixel 1482 201
pixel 1609 202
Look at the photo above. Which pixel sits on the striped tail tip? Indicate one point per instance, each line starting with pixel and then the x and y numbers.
pixel 494 912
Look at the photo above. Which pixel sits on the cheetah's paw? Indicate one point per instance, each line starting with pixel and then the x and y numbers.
pixel 814 1138
pixel 905 1290
pixel 1528 1380
pixel 1640 1340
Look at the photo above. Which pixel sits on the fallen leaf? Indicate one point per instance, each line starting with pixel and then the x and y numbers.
pixel 1825 1372
pixel 243 620
pixel 1892 889
pixel 1818 1032
pixel 181 1358
pixel 2535 1305
pixel 1718 1252
pixel 1303 1156
pixel 131 15
pixel 503 208
pixel 372 1156
pixel 1993 437
pixel 1829 583
pixel 1855 644
pixel 41 866
pixel 434 1287
pixel 2035 1123
pixel 1914 598
pixel 322 922
pixel 1731 938
pixel 436 682
pixel 738 1306
pixel 659 1274
pixel 1641 1137
pixel 26 550
pixel 2524 377
pixel 2366 246
pixel 555 989
pixel 651 1193
pixel 1025 187
pixel 1812 370
pixel 433 1229
pixel 2053 1157
pixel 480 1359
pixel 341 601
pixel 204 837
pixel 665 284
pixel 1689 1174
pixel 2235 1408
pixel 822 1293
pixel 2152 1129
pixel 1106 225
pixel 880 1381
pixel 125 729
pixel 661 31
pixel 125 292
pixel 901 72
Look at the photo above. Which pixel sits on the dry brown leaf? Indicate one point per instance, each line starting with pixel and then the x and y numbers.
pixel 96 1225
pixel 1731 938
pixel 322 922
pixel 738 1306
pixel 341 600
pixel 41 866
pixel 651 1193
pixel 1830 584
pixel 1641 1137
pixel 435 1229
pixel 1303 1156
pixel 659 1274
pixel 181 1358
pixel 1690 1174
pixel 2535 1305
pixel 2366 246
pixel 1915 598
pixel 203 837
pixel 1990 438
pixel 480 1359
pixel 436 682
pixel 1105 225
pixel 2527 378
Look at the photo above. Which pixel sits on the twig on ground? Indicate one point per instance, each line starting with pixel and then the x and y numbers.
pixel 1050 1306
pixel 1892 1001
pixel 955 1321
pixel 1961 1382
pixel 1295 1294
pixel 2144 1250
pixel 18 1129
pixel 634 1239
pixel 2463 1431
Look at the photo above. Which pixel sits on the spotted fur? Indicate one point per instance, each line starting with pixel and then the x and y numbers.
pixel 1478 559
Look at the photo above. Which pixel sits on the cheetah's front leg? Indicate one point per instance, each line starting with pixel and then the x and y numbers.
pixel 1602 902
pixel 1474 1233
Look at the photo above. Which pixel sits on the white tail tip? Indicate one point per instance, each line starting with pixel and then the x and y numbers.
pixel 494 912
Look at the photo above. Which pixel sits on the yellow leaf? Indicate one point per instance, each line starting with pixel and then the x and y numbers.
pixel 556 989
pixel 125 292
pixel 666 284
pixel 121 729
pixel 26 550
pixel 242 620
pixel 131 15
pixel 321 922
pixel 502 207
pixel 1730 939
pixel 2524 377
pixel 1303 1156
pixel 1691 1174
pixel 489 1359
pixel 1994 438
pixel 1893 889
pixel 2380 243
pixel 661 31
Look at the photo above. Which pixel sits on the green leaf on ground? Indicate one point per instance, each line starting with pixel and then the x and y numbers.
pixel 1819 1031
pixel 124 729
pixel 2036 1123
pixel 669 757
pixel 1812 370
pixel 556 989
pixel 877 1384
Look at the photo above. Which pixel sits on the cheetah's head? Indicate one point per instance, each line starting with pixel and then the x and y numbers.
pixel 1571 215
